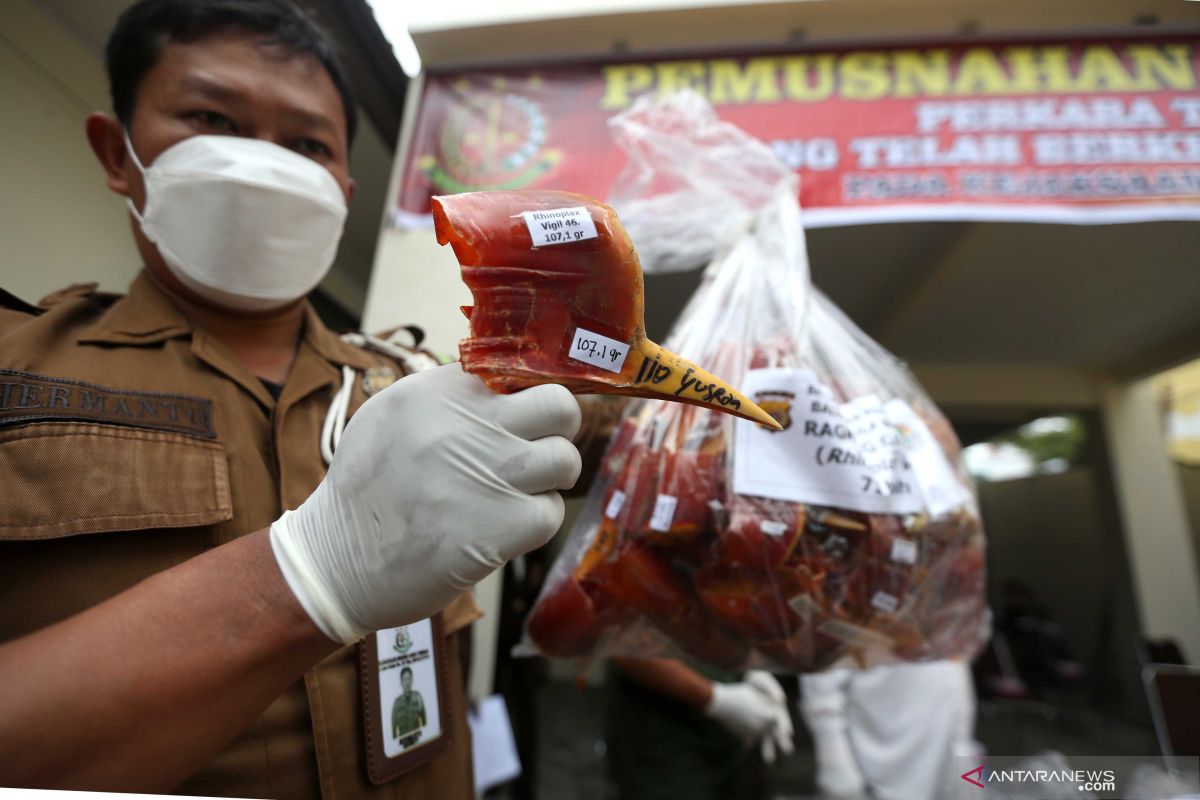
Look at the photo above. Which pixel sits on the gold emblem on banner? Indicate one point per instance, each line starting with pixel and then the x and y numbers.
pixel 494 137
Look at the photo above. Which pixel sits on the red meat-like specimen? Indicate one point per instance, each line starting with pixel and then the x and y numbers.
pixel 567 311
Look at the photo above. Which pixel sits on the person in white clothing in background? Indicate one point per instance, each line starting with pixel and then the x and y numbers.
pixel 891 732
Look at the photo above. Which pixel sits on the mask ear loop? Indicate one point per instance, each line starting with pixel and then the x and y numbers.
pixel 137 162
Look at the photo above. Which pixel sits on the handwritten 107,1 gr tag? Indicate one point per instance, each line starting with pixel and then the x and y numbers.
pixel 598 350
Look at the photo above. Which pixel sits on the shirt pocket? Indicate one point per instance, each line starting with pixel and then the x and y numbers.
pixel 63 479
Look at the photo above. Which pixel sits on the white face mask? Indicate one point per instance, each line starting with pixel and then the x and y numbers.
pixel 243 223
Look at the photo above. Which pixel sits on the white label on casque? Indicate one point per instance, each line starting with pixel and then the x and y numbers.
pixel 560 225
pixel 615 503
pixel 885 602
pixel 664 512
pixel 598 350
pixel 773 527
pixel 904 551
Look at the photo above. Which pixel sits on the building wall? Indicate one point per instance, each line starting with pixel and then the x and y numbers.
pixel 1154 516
pixel 59 223
pixel 1055 534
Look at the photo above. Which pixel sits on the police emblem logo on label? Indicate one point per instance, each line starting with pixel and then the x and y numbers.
pixel 26 398
pixel 778 405
pixel 376 379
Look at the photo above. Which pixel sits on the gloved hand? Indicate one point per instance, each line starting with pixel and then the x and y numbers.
pixel 756 711
pixel 437 481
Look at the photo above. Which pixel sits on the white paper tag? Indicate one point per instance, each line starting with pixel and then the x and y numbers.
pixel 773 527
pixel 847 456
pixel 664 512
pixel 615 504
pixel 598 350
pixel 939 484
pixel 804 606
pixel 560 225
pixel 904 551
pixel 885 602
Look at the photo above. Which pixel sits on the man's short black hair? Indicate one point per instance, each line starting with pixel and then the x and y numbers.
pixel 405 670
pixel 141 31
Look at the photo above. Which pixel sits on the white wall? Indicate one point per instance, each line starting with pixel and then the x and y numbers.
pixel 465 32
pixel 416 282
pixel 488 12
pixel 58 222
pixel 1154 516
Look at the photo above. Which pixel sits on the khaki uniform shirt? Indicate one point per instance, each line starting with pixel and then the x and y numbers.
pixel 131 441
pixel 408 714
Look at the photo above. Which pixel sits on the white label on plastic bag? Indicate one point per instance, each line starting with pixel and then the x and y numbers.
pixel 560 226
pixel 848 456
pixel 940 486
pixel 598 350
pixel 904 551
pixel 773 527
pixel 885 602
pixel 664 512
pixel 615 503
pixel 804 606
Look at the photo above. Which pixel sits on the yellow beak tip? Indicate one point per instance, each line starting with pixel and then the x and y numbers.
pixel 769 422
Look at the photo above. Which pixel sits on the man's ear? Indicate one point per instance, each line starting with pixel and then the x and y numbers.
pixel 106 135
pixel 351 185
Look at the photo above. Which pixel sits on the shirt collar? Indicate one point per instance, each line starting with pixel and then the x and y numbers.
pixel 144 316
pixel 330 346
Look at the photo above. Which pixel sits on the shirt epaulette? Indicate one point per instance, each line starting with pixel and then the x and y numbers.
pixel 77 291
pixel 11 302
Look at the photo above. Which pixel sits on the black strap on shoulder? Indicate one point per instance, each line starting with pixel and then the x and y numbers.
pixel 11 301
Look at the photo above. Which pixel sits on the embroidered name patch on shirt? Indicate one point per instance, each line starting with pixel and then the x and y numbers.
pixel 26 397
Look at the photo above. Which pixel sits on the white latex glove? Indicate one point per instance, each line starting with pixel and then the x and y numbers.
pixel 756 711
pixel 437 481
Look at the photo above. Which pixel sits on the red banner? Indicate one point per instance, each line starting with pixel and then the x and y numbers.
pixel 1078 132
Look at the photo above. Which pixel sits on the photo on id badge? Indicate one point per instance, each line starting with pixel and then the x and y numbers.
pixel 410 712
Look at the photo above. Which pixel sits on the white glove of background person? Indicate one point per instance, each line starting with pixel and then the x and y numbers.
pixel 437 482
pixel 838 775
pixel 755 710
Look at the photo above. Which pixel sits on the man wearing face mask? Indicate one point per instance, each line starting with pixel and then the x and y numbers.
pixel 177 567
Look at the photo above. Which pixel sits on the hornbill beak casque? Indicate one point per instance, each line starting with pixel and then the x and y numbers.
pixel 559 299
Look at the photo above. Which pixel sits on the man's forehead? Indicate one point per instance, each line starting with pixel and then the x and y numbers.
pixel 244 66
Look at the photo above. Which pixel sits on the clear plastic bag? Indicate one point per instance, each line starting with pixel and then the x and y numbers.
pixel 679 205
pixel 666 559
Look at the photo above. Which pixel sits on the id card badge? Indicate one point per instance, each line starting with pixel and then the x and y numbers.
pixel 405 698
